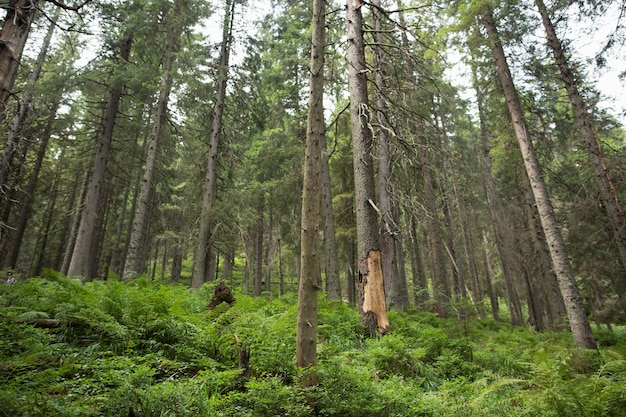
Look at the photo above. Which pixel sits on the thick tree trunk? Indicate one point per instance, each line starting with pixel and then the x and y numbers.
pixel 395 290
pixel 20 14
pixel 578 320
pixel 81 262
pixel 210 182
pixel 368 241
pixel 608 193
pixel 134 264
pixel 306 338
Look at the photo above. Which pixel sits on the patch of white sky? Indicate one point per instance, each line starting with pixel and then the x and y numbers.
pixel 585 37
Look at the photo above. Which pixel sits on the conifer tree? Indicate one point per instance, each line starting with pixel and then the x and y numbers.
pixel 578 321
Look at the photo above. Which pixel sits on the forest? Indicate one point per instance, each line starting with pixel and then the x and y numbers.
pixel 282 208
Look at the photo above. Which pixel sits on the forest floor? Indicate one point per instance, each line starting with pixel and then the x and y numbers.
pixel 150 349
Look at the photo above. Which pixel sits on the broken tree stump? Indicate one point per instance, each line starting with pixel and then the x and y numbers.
pixel 221 294
pixel 373 306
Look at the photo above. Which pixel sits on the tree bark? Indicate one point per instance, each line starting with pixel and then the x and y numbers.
pixel 19 119
pixel 20 15
pixel 210 182
pixel 306 338
pixel 134 259
pixel 84 247
pixel 579 323
pixel 368 240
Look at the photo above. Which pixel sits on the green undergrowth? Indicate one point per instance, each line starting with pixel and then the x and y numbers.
pixel 148 349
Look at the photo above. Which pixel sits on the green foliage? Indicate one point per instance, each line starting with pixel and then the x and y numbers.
pixel 157 350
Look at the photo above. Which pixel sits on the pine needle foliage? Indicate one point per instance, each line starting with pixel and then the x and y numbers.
pixel 147 349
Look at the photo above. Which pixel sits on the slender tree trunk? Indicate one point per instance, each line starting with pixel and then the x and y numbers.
pixel 134 264
pixel 29 193
pixel 177 261
pixel 306 339
pixel 20 14
pixel 371 287
pixel 281 275
pixel 78 211
pixel 19 119
pixel 608 194
pixel 333 282
pixel 468 246
pixel 66 227
pixel 441 291
pixel 210 183
pixel 500 227
pixel 493 296
pixel 268 247
pixel 257 284
pixel 578 320
pixel 395 290
pixel 546 279
pixel 45 229
pixel 418 272
pixel 84 247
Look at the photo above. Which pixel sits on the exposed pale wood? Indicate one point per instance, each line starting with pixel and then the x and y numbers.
pixel 374 291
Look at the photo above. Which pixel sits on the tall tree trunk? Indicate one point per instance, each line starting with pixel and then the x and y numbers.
pixel 579 323
pixel 546 279
pixel 29 192
pixel 331 260
pixel 395 290
pixel 66 226
pixel 20 14
pixel 368 240
pixel 493 296
pixel 608 193
pixel 257 284
pixel 83 249
pixel 306 339
pixel 270 243
pixel 134 259
pixel 418 272
pixel 210 183
pixel 77 214
pixel 45 229
pixel 19 119
pixel 501 231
